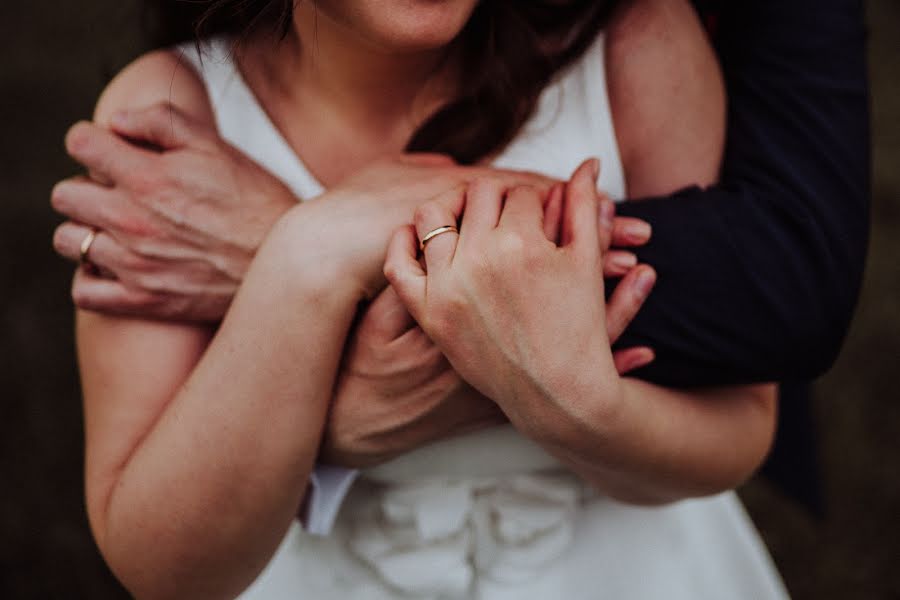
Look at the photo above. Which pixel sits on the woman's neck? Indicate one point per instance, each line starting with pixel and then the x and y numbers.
pixel 324 85
pixel 359 78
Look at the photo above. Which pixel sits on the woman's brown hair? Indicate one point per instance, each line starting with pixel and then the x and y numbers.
pixel 511 49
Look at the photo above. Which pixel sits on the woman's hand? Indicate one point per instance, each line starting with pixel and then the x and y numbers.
pixel 396 392
pixel 517 317
pixel 180 215
pixel 515 314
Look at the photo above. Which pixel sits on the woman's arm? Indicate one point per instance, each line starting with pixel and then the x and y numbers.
pixel 199 442
pixel 197 458
pixel 666 444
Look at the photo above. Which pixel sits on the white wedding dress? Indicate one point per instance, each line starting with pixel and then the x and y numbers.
pixel 491 516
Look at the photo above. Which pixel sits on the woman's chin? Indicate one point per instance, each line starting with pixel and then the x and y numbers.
pixel 405 25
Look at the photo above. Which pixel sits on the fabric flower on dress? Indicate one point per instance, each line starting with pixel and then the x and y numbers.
pixel 435 539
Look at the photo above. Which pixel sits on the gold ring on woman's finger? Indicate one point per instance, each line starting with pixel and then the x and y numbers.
pixel 86 246
pixel 436 232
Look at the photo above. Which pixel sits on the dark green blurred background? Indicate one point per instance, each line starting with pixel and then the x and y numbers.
pixel 55 57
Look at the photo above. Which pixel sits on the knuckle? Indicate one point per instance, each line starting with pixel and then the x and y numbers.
pixel 135 227
pixel 140 245
pixel 483 183
pixel 136 263
pixel 150 285
pixel 392 272
pixel 523 191
pixel 512 244
pixel 148 246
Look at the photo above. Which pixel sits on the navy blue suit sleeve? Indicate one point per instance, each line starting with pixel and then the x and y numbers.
pixel 759 275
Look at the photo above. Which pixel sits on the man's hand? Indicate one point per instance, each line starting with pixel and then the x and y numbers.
pixel 179 213
pixel 396 392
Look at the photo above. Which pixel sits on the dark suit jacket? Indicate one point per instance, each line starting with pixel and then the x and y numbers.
pixel 759 275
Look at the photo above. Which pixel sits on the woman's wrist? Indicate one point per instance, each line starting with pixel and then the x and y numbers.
pixel 579 411
pixel 592 427
pixel 309 256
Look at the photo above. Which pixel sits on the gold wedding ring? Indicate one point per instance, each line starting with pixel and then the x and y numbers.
pixel 86 246
pixel 436 232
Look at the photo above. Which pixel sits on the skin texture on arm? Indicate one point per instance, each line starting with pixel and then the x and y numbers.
pixel 766 287
pixel 198 456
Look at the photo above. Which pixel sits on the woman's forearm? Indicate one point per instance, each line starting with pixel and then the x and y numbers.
pixel 657 445
pixel 201 504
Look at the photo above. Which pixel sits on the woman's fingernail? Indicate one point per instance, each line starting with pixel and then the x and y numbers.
pixel 646 279
pixel 623 261
pixel 638 231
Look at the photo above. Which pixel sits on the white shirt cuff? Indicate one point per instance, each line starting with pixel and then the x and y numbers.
pixel 328 486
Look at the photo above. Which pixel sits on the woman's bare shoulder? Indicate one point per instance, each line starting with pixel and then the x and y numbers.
pixel 156 77
pixel 667 96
